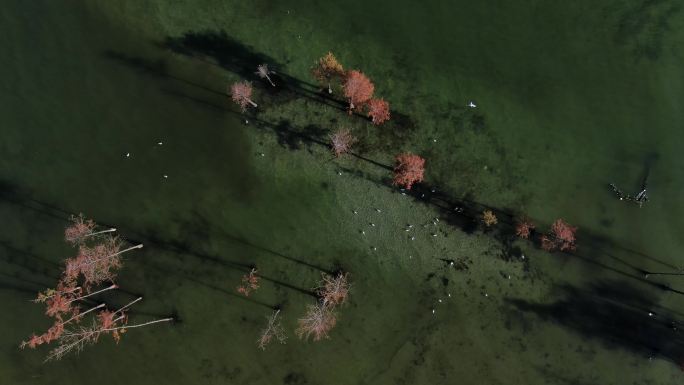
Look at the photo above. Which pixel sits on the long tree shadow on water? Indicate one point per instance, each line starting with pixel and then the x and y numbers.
pixel 224 51
pixel 242 60
pixel 28 260
pixel 236 57
pixel 182 276
pixel 152 238
pixel 288 136
pixel 555 378
pixel 269 251
pixel 617 314
pixel 156 68
pixel 463 213
pixel 274 95
pixel 217 48
pixel 466 214
pixel 184 248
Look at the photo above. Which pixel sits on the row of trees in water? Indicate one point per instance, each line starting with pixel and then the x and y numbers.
pixel 408 168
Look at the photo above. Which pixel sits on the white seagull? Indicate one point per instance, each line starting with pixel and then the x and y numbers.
pixel 471 104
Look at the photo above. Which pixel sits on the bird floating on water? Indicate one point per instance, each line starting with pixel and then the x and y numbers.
pixel 471 104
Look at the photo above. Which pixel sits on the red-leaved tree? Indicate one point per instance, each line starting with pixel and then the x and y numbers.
pixel 357 88
pixel 561 236
pixel 408 170
pixel 250 282
pixel 97 261
pixel 82 228
pixel 113 323
pixel 523 228
pixel 378 111
pixel 241 93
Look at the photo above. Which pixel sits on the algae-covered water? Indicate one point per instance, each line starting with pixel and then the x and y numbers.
pixel 570 96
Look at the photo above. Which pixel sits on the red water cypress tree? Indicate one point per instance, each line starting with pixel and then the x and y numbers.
pixel 357 88
pixel 97 261
pixel 250 282
pixel 409 169
pixel 96 264
pixel 112 323
pixel 82 228
pixel 561 236
pixel 378 111
pixel 524 228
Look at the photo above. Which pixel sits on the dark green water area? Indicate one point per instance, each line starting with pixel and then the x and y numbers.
pixel 570 96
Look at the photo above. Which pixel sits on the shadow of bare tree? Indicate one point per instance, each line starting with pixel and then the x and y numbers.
pixel 466 213
pixel 217 48
pixel 153 238
pixel 617 314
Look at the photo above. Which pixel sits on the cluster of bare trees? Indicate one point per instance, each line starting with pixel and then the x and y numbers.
pixel 320 318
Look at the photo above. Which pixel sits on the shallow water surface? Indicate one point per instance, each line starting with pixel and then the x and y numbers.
pixel 118 111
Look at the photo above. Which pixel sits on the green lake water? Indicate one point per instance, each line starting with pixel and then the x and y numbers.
pixel 570 96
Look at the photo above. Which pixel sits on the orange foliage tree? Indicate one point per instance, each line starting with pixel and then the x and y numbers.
pixel 408 170
pixel 327 69
pixel 357 88
pixel 489 218
pixel 378 111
